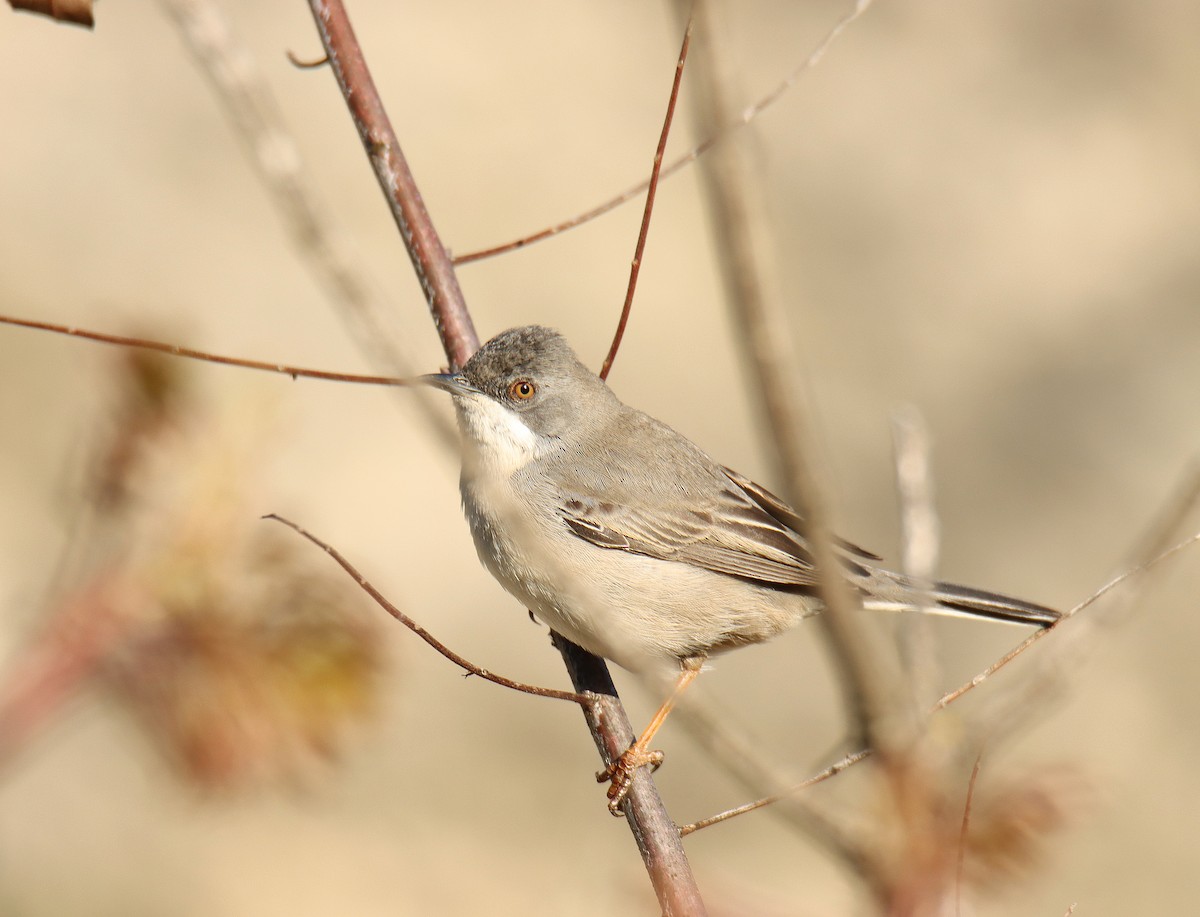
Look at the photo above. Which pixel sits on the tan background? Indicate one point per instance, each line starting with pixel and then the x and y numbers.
pixel 987 210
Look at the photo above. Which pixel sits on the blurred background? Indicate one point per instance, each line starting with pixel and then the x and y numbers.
pixel 988 211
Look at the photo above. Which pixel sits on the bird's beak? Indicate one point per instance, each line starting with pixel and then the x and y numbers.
pixel 454 383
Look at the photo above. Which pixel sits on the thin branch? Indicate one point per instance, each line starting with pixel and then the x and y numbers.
pixel 1038 635
pixel 296 372
pixel 744 117
pixel 636 265
pixel 1183 500
pixel 460 661
pixel 741 760
pixel 1065 653
pixel 960 867
pixel 831 771
pixel 269 144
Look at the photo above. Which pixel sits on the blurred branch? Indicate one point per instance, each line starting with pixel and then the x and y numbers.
pixel 85 628
pixel 657 839
pixel 742 246
pixel 238 84
pixel 919 543
pixel 747 765
pixel 74 12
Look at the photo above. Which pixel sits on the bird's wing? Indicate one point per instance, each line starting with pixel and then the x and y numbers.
pixel 781 512
pixel 659 495
pixel 721 528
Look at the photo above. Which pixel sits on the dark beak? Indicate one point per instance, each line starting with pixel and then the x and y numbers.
pixel 454 383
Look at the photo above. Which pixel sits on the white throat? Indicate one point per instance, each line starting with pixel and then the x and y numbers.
pixel 496 441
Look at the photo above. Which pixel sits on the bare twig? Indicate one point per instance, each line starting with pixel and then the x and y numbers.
pixel 741 119
pixel 460 661
pixel 749 767
pixel 1065 654
pixel 660 845
pixel 831 771
pixel 269 144
pixel 175 350
pixel 961 865
pixel 1038 635
pixel 1175 510
pixel 636 265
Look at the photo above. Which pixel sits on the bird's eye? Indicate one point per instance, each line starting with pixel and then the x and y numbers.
pixel 522 390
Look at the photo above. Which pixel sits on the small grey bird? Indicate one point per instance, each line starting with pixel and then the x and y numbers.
pixel 628 539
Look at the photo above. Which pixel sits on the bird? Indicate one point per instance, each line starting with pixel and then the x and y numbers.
pixel 628 539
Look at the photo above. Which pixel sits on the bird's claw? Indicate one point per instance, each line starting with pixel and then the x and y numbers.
pixel 619 774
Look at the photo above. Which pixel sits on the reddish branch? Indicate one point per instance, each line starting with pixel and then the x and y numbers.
pixel 643 232
pixel 657 838
pixel 296 372
pixel 429 257
pixel 460 661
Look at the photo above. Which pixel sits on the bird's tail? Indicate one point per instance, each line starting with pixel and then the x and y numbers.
pixel 966 602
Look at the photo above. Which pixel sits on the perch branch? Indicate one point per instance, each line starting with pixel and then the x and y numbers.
pixel 657 839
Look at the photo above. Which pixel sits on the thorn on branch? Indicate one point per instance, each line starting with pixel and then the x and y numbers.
pixel 301 64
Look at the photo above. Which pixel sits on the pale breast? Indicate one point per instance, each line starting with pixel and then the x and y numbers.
pixel 634 610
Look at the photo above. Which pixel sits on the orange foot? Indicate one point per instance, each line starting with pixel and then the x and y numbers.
pixel 620 773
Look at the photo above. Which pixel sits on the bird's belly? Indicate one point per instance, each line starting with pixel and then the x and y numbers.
pixel 637 611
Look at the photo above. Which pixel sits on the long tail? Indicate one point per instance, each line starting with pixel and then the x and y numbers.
pixel 975 603
pixel 895 594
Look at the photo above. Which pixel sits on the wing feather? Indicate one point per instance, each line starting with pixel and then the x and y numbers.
pixel 733 535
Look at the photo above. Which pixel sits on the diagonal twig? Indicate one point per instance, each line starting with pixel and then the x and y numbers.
pixel 461 661
pixel 741 119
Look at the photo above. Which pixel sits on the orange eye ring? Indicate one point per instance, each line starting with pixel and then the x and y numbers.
pixel 522 390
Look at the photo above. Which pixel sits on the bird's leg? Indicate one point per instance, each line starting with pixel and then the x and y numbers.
pixel 620 772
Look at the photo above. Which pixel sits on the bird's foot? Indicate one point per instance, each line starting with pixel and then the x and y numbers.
pixel 619 774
